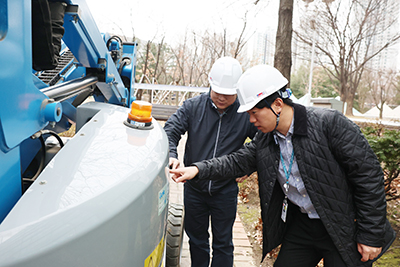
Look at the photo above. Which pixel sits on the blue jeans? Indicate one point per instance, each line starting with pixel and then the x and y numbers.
pixel 221 208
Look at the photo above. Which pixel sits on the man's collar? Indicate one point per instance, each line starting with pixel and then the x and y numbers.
pixel 300 119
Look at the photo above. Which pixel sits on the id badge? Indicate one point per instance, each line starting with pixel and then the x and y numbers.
pixel 284 210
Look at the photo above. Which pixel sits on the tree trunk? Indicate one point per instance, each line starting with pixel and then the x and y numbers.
pixel 160 46
pixel 349 101
pixel 380 108
pixel 343 90
pixel 283 47
pixel 146 62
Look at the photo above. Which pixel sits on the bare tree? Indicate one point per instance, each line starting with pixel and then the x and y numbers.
pixel 241 42
pixel 382 87
pixel 363 95
pixel 198 52
pixel 194 59
pixel 163 60
pixel 283 45
pixel 181 56
pixel 195 56
pixel 160 45
pixel 397 96
pixel 188 62
pixel 347 36
pixel 146 60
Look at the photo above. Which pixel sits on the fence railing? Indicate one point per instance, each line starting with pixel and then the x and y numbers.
pixel 166 99
pixel 168 94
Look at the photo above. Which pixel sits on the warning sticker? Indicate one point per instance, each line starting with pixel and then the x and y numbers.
pixel 154 259
pixel 163 198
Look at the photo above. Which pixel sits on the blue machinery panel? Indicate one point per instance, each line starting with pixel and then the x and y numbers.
pixel 29 105
pixel 3 19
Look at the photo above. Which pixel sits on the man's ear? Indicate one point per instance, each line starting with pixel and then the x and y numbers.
pixel 277 105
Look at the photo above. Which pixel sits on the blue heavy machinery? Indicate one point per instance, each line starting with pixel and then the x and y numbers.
pixel 99 198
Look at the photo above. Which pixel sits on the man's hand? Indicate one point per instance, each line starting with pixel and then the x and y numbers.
pixel 183 174
pixel 367 252
pixel 173 163
pixel 241 179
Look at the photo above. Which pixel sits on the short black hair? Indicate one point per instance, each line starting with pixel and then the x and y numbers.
pixel 266 102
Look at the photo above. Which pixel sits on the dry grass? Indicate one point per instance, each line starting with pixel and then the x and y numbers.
pixel 69 133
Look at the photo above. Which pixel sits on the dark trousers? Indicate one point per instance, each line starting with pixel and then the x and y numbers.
pixel 306 242
pixel 221 209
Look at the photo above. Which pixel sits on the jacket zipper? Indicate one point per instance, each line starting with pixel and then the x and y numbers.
pixel 215 148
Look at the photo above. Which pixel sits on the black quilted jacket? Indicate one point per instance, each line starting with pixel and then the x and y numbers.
pixel 341 174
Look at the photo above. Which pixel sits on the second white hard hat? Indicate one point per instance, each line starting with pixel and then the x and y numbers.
pixel 224 75
pixel 258 83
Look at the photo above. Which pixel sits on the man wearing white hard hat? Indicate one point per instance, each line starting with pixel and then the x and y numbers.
pixel 320 183
pixel 214 129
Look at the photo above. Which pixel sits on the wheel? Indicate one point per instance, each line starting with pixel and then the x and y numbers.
pixel 174 235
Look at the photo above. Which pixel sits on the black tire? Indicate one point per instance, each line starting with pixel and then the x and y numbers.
pixel 174 235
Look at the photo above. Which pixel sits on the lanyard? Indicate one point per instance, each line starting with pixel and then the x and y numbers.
pixel 287 172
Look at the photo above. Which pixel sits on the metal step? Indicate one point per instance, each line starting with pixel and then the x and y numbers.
pixel 51 77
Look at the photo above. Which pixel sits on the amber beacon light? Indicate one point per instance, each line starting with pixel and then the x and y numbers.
pixel 140 115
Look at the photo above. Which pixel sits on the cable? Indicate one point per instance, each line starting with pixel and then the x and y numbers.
pixel 60 141
pixel 125 61
pixel 41 164
pixel 116 38
pixel 39 135
pixel 117 53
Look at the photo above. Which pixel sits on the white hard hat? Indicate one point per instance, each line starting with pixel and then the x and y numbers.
pixel 258 83
pixel 224 75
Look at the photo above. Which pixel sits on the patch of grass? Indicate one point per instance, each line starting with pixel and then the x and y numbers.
pixel 392 256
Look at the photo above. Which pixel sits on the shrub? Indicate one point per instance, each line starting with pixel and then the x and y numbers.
pixel 386 145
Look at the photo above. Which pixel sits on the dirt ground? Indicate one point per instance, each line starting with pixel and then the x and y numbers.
pixel 249 212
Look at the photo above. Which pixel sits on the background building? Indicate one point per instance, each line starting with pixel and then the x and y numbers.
pixel 264 47
pixel 387 28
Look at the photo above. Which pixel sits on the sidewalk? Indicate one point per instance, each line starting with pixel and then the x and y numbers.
pixel 243 253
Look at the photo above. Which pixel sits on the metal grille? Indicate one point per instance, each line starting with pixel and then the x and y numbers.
pixel 51 77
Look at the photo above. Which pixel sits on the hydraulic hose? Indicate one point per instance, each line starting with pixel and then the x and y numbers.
pixel 39 135
pixel 41 163
pixel 60 141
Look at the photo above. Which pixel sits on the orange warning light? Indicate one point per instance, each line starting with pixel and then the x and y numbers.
pixel 140 111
